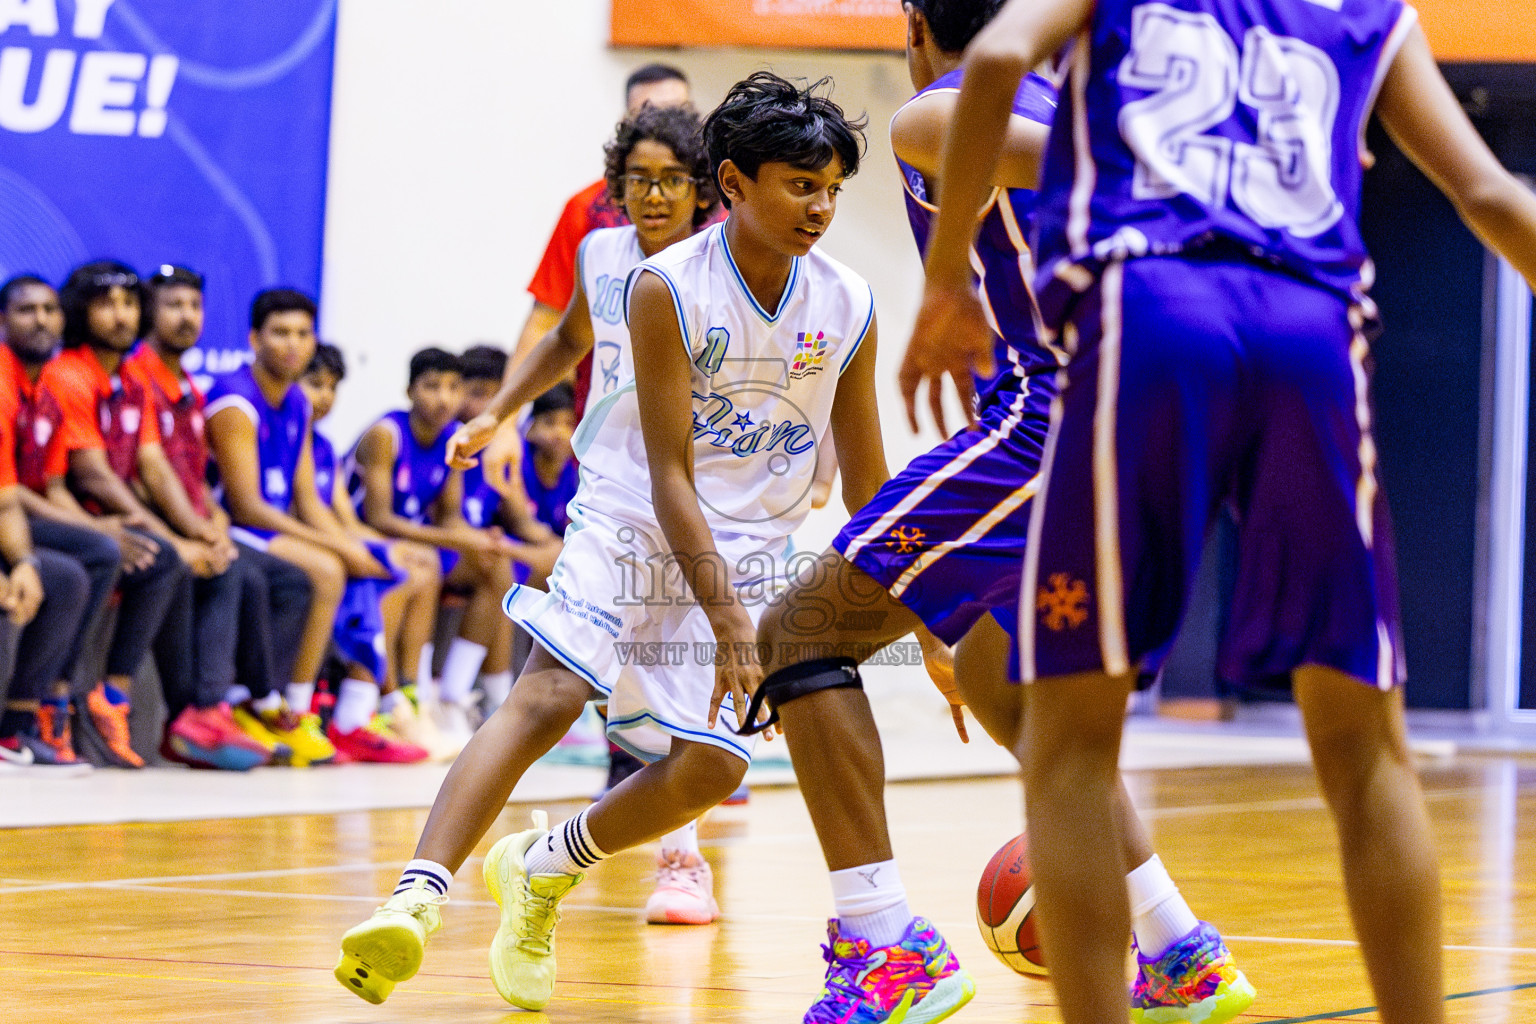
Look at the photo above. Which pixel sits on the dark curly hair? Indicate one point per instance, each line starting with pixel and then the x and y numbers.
pixel 677 128
pixel 768 119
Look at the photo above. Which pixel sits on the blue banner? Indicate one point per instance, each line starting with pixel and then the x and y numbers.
pixel 161 131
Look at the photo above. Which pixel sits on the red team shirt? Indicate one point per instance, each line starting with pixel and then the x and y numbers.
pixel 91 409
pixel 25 427
pixel 179 405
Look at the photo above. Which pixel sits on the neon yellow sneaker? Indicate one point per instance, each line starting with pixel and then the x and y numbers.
pixel 301 734
pixel 387 948
pixel 523 951
pixel 1193 982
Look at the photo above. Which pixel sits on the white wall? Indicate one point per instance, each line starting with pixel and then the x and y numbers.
pixel 458 135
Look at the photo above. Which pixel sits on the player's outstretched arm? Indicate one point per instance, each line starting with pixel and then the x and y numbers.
pixel 548 363
pixel 663 376
pixel 1424 118
pixel 918 131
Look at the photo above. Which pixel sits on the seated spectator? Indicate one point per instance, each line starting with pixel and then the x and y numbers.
pixel 401 485
pixel 503 503
pixel 407 610
pixel 259 432
pixel 246 639
pixel 96 422
pixel 37 719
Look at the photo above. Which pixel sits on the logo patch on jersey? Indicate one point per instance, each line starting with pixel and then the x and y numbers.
pixel 1063 604
pixel 809 352
pixel 905 539
pixel 130 420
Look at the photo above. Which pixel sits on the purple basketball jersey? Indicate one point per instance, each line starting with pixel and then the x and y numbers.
pixel 1192 121
pixel 549 503
pixel 324 454
pixel 1001 248
pixel 481 501
pixel 280 431
pixel 420 471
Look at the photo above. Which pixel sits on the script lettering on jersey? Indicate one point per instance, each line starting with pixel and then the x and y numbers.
pixel 717 420
pixel 1196 77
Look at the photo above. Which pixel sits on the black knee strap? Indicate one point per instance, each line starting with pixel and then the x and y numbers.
pixel 797 681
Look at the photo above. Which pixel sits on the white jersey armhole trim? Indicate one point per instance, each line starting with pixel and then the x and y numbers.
pixel 233 402
pixel 1389 50
pixel 869 318
pixel 677 301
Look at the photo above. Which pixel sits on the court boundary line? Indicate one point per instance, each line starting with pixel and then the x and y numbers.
pixel 1337 1014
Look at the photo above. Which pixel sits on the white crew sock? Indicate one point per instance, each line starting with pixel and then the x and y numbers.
pixel 436 877
pixel 683 840
pixel 388 702
pixel 355 705
pixel 496 686
pixel 871 903
pixel 1159 915
pixel 566 849
pixel 301 696
pixel 425 690
pixel 270 704
pixel 459 670
pixel 237 695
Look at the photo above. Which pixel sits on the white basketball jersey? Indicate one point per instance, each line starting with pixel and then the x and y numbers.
pixel 604 261
pixel 763 385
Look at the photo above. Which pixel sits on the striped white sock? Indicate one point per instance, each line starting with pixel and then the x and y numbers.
pixel 428 872
pixel 566 849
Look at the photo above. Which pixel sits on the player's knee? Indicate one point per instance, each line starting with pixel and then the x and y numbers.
pixel 713 774
pixel 551 699
pixel 328 576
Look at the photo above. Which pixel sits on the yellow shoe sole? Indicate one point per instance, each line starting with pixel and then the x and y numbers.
pixel 376 956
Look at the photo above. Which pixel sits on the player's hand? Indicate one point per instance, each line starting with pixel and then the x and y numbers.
pixel 502 463
pixel 950 338
pixel 23 594
pixel 736 669
pixel 197 556
pixel 361 565
pixel 939 660
pixel 469 439
pixel 138 551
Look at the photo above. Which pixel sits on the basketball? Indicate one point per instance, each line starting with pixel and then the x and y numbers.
pixel 1005 904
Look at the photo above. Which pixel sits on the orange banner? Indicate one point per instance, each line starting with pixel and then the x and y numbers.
pixel 789 24
pixel 1458 30
pixel 1480 30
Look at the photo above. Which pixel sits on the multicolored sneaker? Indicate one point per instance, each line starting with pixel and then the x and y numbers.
pixel 387 948
pixel 523 951
pixel 916 981
pixel 110 717
pixel 1193 982
pixel 209 737
pixel 293 739
pixel 685 890
pixel 53 729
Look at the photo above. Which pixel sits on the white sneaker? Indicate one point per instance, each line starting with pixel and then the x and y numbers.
pixel 685 890
pixel 523 951
pixel 452 725
pixel 417 728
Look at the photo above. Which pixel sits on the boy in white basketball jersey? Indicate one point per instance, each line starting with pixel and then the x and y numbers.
pixel 658 167
pixel 748 345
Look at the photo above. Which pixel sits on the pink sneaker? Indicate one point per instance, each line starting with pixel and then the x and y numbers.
pixel 366 744
pixel 685 890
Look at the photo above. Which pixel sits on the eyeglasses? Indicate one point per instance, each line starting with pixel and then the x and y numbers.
pixel 114 279
pixel 673 186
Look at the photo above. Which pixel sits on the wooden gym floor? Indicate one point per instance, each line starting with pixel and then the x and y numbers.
pixel 237 920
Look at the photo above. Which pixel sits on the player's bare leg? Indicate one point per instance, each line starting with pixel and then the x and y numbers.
pixel 1360 749
pixel 1073 726
pixel 981 676
pixel 832 737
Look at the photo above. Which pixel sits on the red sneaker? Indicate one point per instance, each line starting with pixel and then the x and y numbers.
pixel 111 720
pixel 367 745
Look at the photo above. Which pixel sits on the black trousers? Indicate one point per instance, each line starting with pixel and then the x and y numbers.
pixel 46 642
pixel 274 605
pixel 96 554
